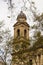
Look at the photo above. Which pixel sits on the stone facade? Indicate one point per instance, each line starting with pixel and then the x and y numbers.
pixel 1 63
pixel 23 53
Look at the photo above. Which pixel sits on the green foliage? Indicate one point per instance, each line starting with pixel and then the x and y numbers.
pixel 39 42
pixel 24 45
pixel 5 40
pixel 39 17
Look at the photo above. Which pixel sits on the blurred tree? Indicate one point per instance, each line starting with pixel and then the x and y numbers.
pixel 5 41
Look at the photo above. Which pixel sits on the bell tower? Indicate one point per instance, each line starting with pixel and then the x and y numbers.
pixel 21 36
pixel 21 28
pixel 21 32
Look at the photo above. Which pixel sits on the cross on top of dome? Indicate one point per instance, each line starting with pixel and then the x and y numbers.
pixel 21 15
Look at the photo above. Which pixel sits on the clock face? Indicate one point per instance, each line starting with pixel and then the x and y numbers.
pixel 17 47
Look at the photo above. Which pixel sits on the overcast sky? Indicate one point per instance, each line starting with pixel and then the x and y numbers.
pixel 3 7
pixel 4 13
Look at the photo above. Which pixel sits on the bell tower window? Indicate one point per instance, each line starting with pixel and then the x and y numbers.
pixel 30 62
pixel 18 32
pixel 25 32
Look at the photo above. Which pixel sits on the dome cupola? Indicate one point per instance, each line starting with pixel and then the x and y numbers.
pixel 21 16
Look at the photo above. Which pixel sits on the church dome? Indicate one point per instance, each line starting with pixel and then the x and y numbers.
pixel 21 15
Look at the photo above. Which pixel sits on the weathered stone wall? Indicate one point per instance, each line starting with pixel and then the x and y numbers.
pixel 1 63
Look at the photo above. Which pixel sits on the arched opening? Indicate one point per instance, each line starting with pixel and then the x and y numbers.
pixel 18 32
pixel 25 32
pixel 30 62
